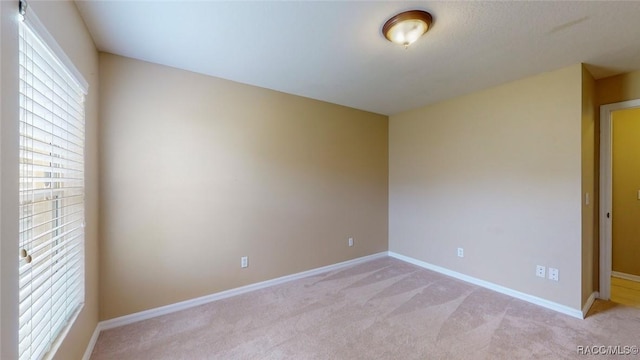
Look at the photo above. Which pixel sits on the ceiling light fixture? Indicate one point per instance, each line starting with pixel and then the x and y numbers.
pixel 407 27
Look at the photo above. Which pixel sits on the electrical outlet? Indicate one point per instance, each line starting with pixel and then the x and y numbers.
pixel 350 241
pixel 244 261
pixel 553 274
pixel 460 252
pixel 540 271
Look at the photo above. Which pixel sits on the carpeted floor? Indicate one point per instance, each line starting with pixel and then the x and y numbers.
pixel 382 309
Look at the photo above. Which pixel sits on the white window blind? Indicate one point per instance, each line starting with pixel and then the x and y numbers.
pixel 51 196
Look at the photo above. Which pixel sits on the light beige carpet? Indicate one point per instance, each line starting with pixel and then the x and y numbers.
pixel 382 309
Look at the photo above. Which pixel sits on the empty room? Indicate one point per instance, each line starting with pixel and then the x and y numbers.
pixel 319 179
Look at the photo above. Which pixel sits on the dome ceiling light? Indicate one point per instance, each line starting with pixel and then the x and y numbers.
pixel 407 27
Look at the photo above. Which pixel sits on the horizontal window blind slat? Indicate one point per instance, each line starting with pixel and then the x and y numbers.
pixel 36 64
pixel 53 278
pixel 58 168
pixel 43 239
pixel 54 287
pixel 37 126
pixel 34 302
pixel 44 92
pixel 44 192
pixel 44 110
pixel 31 155
pixel 41 100
pixel 41 343
pixel 44 219
pixel 48 143
pixel 42 153
pixel 40 315
pixel 47 255
pixel 71 217
pixel 31 291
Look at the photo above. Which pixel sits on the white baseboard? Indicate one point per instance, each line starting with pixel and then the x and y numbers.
pixel 92 342
pixel 621 275
pixel 589 303
pixel 577 313
pixel 168 309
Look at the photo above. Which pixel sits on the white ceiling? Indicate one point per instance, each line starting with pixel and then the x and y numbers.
pixel 334 51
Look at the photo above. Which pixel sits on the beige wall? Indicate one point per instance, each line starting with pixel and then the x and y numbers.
pixel 626 185
pixel 498 173
pixel 589 193
pixel 198 171
pixel 8 181
pixel 618 88
pixel 62 20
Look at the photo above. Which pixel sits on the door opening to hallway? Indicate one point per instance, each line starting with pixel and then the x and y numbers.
pixel 625 196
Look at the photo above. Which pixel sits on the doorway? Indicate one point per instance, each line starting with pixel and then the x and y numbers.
pixel 620 202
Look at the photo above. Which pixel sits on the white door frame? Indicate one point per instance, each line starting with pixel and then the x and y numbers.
pixel 606 190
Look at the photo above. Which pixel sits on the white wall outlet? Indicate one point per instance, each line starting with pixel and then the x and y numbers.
pixel 460 252
pixel 244 261
pixel 540 271
pixel 553 274
pixel 350 241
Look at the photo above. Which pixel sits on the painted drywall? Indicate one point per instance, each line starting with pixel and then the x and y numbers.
pixel 589 193
pixel 63 22
pixel 198 171
pixel 626 191
pixel 9 180
pixel 498 173
pixel 618 88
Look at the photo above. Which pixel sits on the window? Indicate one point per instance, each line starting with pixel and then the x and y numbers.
pixel 51 274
